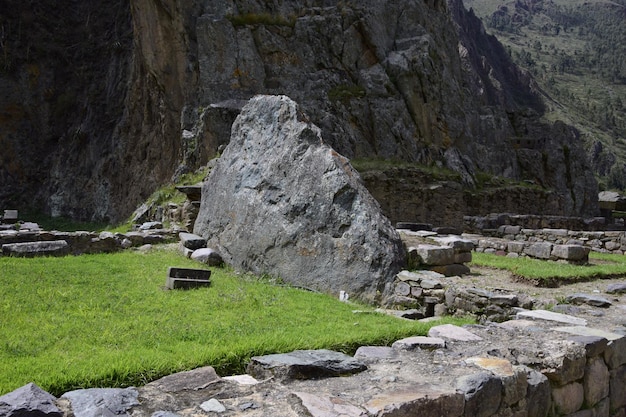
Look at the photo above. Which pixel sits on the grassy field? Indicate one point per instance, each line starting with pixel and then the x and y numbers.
pixel 600 265
pixel 105 320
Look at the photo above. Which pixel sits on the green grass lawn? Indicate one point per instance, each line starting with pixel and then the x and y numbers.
pixel 105 320
pixel 600 265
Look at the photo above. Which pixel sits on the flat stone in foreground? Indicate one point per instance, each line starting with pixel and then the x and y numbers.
pixel 419 342
pixel 423 401
pixel 98 402
pixel 590 299
pixel 192 241
pixel 618 288
pixel 452 332
pixel 29 400
pixel 319 406
pixel 551 316
pixel 304 364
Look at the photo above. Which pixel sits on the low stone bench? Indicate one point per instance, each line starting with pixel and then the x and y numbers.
pixel 33 249
pixel 10 216
pixel 187 278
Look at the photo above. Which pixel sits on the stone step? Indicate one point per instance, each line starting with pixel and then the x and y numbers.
pixel 187 278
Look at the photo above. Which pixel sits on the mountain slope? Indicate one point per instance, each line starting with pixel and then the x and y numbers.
pixel 576 51
pixel 395 80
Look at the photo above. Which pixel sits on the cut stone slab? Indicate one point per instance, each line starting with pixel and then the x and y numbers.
pixel 32 249
pixel 483 393
pixel 195 379
pixel 542 250
pixel 10 216
pixel 423 401
pixel 29 400
pixel 618 288
pixel 551 316
pixel 375 352
pixel 592 300
pixel 192 241
pixel 594 345
pixel 432 255
pixel 588 331
pixel 570 252
pixel 98 402
pixel 282 202
pixel 452 332
pixel 418 276
pixel 187 278
pixel 419 342
pixel 318 406
pixel 304 364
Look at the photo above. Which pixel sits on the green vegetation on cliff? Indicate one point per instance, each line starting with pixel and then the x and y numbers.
pixel 576 52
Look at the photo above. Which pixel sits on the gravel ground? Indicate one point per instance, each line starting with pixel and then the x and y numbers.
pixel 612 318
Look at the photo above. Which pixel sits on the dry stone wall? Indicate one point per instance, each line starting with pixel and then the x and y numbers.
pixel 533 367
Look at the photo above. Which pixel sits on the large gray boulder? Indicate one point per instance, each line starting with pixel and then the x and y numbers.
pixel 281 202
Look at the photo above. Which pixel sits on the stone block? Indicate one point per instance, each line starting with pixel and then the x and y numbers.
pixel 33 249
pixel 595 381
pixel 319 406
pixel 304 364
pixel 568 398
pixel 186 278
pixel 463 257
pixel 590 299
pixel 482 392
pixel 551 316
pixel 563 365
pixel 402 288
pixel 102 401
pixel 617 388
pixel 29 400
pixel 192 241
pixel 423 401
pixel 594 345
pixel 570 252
pixel 539 398
pixel 615 353
pixel 375 352
pixel 540 250
pixel 452 270
pixel 419 342
pixel 10 216
pixel 432 255
pixel 515 247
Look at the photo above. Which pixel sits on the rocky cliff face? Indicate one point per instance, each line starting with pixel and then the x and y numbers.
pixel 96 115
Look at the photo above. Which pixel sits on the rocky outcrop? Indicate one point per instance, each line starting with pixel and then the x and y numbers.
pixel 281 202
pixel 399 80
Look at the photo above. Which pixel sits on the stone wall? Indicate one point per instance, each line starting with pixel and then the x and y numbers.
pixel 29 243
pixel 515 239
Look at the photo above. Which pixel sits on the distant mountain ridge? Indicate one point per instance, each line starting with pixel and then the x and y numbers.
pixel 576 50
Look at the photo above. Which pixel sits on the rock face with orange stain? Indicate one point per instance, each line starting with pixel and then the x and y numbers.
pixel 283 203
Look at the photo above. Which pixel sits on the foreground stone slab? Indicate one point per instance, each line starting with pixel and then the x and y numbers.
pixel 619 288
pixel 423 401
pixel 280 201
pixel 419 342
pixel 588 331
pixel 187 278
pixel 99 402
pixel 195 379
pixel 318 406
pixel 452 332
pixel 431 255
pixel 29 400
pixel 551 316
pixel 32 249
pixel 304 364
